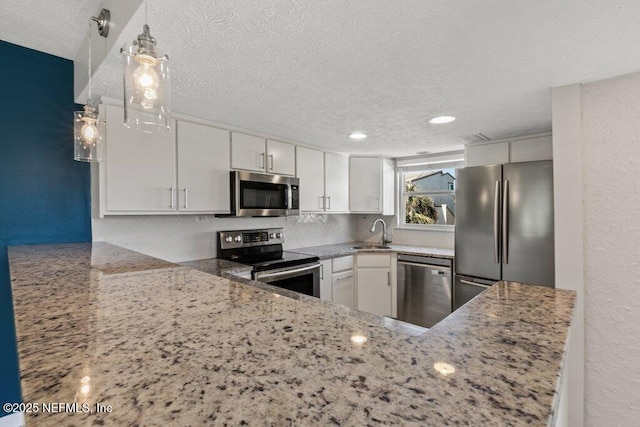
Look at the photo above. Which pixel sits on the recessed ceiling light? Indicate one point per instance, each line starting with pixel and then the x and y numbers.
pixel 357 135
pixel 441 119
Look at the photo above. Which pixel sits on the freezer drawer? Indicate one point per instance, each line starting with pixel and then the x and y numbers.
pixel 466 288
pixel 424 292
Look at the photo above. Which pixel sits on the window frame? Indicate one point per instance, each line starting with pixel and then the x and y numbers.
pixel 425 164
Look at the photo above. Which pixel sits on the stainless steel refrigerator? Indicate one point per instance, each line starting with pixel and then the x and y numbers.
pixel 504 227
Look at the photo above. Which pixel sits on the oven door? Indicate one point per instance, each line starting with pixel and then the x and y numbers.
pixel 304 279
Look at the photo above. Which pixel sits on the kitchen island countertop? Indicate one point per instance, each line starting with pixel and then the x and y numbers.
pixel 165 344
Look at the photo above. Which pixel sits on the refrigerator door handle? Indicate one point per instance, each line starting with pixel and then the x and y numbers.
pixel 505 223
pixel 496 224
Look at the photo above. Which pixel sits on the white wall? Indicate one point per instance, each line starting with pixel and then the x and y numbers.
pixel 568 230
pixel 598 240
pixel 611 138
pixel 190 237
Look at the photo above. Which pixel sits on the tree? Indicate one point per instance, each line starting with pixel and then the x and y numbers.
pixel 419 209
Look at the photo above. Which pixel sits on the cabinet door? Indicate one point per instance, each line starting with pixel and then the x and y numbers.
pixel 203 168
pixel 311 174
pixel 336 178
pixel 374 290
pixel 326 281
pixel 281 158
pixel 140 167
pixel 248 152
pixel 486 154
pixel 344 289
pixel 364 184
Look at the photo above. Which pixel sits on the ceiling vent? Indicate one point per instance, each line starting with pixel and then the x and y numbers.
pixel 478 137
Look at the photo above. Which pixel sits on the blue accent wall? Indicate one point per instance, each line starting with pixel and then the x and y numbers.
pixel 45 194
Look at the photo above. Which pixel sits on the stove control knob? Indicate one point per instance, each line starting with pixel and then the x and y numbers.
pixel 238 239
pixel 228 239
pixel 272 235
pixel 279 235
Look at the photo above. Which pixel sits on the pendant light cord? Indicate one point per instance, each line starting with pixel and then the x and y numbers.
pixel 89 65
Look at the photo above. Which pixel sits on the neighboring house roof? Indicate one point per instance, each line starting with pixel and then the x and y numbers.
pixel 430 175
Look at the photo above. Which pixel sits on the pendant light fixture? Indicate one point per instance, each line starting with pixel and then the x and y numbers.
pixel 147 89
pixel 88 129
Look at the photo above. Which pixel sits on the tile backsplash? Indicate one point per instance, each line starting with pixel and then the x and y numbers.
pixel 190 237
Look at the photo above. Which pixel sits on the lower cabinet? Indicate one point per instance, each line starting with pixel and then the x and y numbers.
pixel 375 283
pixel 326 284
pixel 343 282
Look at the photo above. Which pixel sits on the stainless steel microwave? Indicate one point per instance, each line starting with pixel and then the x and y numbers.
pixel 257 194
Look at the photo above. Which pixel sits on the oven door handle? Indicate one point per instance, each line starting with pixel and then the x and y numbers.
pixel 286 272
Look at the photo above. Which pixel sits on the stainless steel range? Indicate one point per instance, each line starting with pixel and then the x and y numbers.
pixel 262 250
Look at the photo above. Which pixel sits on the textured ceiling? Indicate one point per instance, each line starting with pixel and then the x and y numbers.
pixel 313 71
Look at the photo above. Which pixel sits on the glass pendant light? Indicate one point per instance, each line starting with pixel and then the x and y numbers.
pixel 88 129
pixel 147 89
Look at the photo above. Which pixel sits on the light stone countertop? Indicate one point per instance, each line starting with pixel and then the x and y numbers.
pixel 169 345
pixel 344 249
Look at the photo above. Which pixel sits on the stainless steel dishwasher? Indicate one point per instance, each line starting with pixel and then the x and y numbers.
pixel 424 289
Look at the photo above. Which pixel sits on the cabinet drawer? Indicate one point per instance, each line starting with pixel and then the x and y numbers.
pixel 343 263
pixel 374 260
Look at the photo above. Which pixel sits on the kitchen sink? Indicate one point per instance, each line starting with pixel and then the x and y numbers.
pixel 370 247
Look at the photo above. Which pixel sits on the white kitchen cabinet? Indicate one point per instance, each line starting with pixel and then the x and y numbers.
pixel 371 185
pixel 343 281
pixel 281 158
pixel 249 152
pixel 531 149
pixel 326 280
pixel 375 283
pixel 203 168
pixel 515 150
pixel 139 169
pixel 336 182
pixel 310 170
pixel 324 180
pixel 487 154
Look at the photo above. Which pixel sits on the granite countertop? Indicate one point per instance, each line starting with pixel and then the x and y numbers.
pixel 344 249
pixel 169 345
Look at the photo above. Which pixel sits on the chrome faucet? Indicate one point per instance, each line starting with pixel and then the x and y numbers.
pixel 384 230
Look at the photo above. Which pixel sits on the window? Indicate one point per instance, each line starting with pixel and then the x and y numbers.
pixel 427 193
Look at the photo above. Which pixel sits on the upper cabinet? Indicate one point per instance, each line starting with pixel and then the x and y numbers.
pixel 371 185
pixel 281 158
pixel 203 168
pixel 523 149
pixel 324 180
pixel 336 182
pixel 139 168
pixel 249 152
pixel 159 173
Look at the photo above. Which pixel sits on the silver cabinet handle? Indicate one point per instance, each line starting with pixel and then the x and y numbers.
pixel 186 198
pixel 388 278
pixel 344 278
pixel 171 190
pixel 496 223
pixel 321 271
pixel 478 285
pixel 505 223
pixel 262 165
pixel 328 204
pixel 271 158
pixel 322 202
